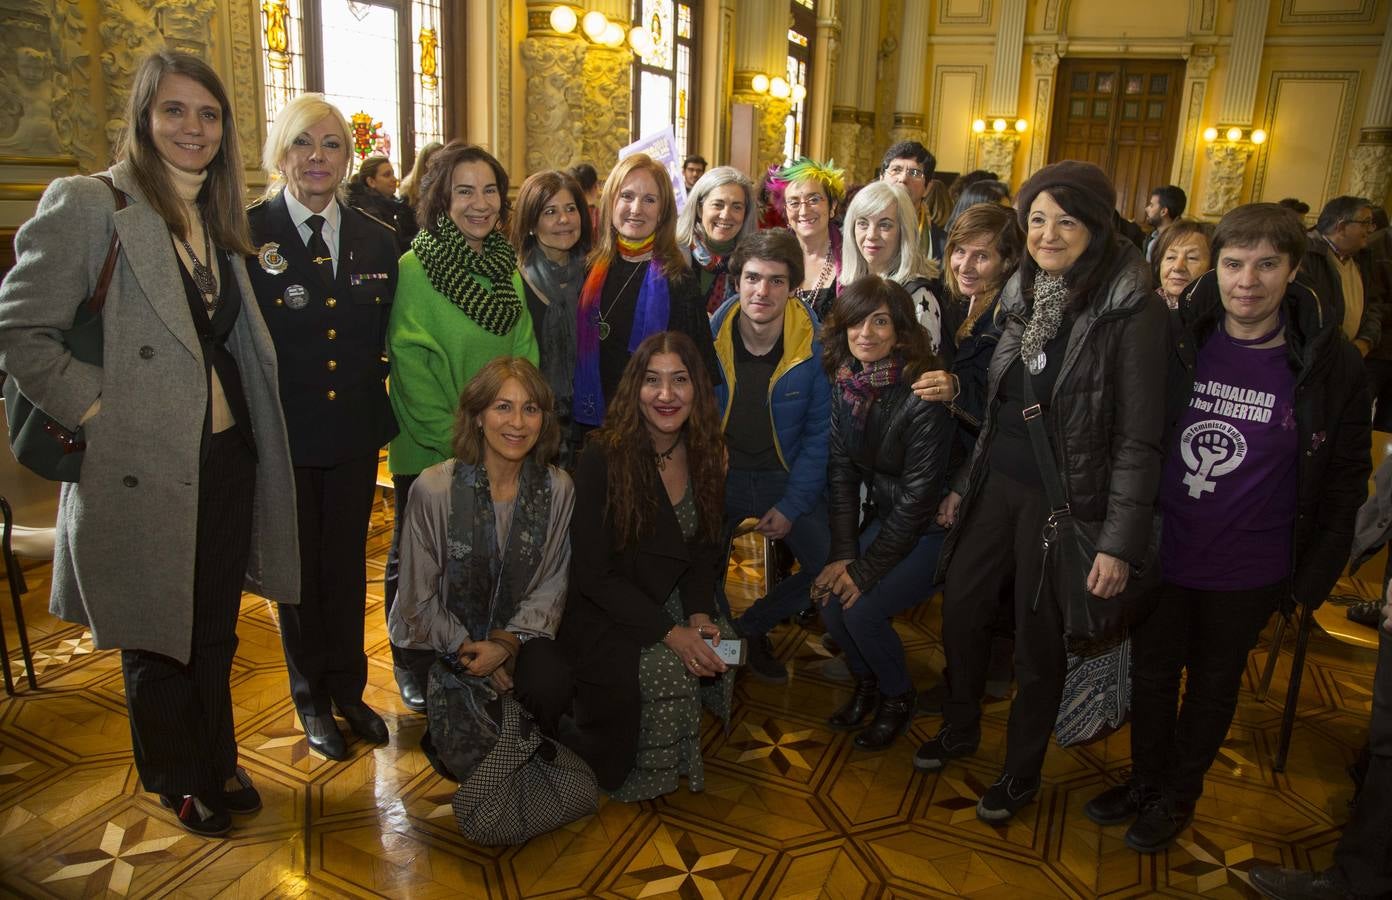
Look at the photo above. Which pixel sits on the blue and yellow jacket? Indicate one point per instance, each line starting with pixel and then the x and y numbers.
pixel 799 401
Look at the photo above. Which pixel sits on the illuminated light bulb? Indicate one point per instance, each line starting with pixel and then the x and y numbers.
pixel 594 25
pixel 979 126
pixel 563 20
pixel 1233 134
pixel 613 35
pixel 760 83
pixel 778 87
pixel 640 40
pixel 1210 134
pixel 1021 125
pixel 998 125
pixel 1258 136
pixel 799 93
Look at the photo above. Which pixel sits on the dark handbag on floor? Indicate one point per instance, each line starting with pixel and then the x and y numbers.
pixel 1070 547
pixel 514 782
pixel 39 442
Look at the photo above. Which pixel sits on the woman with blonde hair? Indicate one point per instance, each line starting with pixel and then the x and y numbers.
pixel 410 187
pixel 638 284
pixel 881 238
pixel 185 438
pixel 325 276
pixel 719 212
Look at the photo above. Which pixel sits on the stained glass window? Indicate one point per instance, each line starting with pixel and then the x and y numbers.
pixel 800 40
pixel 664 77
pixel 357 63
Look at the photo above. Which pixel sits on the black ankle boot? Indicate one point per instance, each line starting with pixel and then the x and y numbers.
pixel 861 704
pixel 892 719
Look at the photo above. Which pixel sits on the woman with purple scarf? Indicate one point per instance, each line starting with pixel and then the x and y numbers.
pixel 638 284
pixel 896 445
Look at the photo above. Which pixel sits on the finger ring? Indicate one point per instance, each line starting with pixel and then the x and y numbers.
pixel 693 662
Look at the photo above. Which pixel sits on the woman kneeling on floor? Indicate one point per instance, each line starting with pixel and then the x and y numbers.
pixel 887 439
pixel 648 512
pixel 485 548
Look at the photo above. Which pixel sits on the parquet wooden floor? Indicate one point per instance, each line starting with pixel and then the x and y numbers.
pixel 791 809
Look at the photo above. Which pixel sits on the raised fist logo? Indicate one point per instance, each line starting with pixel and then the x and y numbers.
pixel 1211 449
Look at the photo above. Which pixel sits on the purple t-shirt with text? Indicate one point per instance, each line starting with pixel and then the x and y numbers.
pixel 1228 490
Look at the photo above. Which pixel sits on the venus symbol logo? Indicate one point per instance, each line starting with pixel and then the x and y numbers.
pixel 1210 449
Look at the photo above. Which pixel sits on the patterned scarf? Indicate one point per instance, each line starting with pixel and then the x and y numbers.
pixel 485 589
pixel 715 271
pixel 1046 314
pixel 650 317
pixel 454 268
pixel 861 386
pixel 560 284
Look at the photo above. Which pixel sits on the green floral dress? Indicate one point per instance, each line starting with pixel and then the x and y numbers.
pixel 669 728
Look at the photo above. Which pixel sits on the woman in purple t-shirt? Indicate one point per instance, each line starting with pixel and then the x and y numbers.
pixel 1266 465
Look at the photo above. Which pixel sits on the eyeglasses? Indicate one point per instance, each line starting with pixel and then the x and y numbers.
pixel 1364 222
pixel 811 202
pixel 896 171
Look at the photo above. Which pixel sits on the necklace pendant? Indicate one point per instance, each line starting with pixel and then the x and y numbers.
pixel 1036 364
pixel 603 329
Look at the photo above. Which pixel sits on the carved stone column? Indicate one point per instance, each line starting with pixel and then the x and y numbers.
pixel 1244 62
pixel 997 154
pixel 908 95
pixel 841 142
pixel 606 104
pixel 1196 77
pixel 826 59
pixel 1372 158
pixel 1046 60
pixel 867 158
pixel 555 120
pixel 1227 165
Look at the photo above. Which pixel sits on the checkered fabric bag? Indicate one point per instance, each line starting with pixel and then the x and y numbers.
pixel 526 785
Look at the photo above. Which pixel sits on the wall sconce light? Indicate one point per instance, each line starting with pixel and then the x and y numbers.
pixel 1020 126
pixel 778 87
pixel 760 83
pixel 799 93
pixel 594 24
pixel 1234 135
pixel 641 41
pixel 999 126
pixel 979 126
pixel 563 20
pixel 613 35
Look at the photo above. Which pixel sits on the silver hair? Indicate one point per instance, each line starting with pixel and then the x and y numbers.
pixel 869 200
pixel 689 222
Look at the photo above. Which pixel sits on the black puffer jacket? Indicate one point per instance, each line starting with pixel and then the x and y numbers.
pixel 1332 413
pixel 902 459
pixel 1107 410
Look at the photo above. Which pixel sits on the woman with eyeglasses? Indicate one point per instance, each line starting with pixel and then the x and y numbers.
pixel 807 193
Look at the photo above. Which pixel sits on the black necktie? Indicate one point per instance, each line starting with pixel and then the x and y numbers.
pixel 319 249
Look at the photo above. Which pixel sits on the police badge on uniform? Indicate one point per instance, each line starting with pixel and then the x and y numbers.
pixel 270 258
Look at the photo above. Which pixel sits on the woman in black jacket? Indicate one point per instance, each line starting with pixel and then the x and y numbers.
pixel 1266 465
pixel 885 438
pixel 1082 323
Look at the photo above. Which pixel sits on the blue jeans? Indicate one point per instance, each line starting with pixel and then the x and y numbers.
pixel 866 630
pixel 754 493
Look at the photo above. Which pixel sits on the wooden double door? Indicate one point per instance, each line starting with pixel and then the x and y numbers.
pixel 1120 114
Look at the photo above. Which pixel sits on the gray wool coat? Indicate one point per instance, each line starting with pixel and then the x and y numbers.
pixel 124 551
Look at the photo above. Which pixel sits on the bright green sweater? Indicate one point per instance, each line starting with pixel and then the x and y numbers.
pixel 435 349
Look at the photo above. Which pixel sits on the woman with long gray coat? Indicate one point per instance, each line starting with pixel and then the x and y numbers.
pixel 186 492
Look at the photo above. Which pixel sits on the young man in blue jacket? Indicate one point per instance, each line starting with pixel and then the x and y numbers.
pixel 775 405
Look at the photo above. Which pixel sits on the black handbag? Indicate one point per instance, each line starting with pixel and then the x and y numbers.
pixel 1070 547
pixel 38 441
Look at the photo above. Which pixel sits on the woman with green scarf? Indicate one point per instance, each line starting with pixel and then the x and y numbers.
pixel 456 309
pixel 717 214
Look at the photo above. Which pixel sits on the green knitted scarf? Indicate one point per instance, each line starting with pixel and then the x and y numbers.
pixel 451 265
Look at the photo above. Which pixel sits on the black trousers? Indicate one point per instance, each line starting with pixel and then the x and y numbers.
pixel 1380 386
pixel 182 732
pixel 401 658
pixel 1364 854
pixel 1000 545
pixel 323 635
pixel 1208 634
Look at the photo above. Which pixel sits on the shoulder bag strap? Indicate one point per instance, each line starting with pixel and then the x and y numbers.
pixel 98 299
pixel 1033 414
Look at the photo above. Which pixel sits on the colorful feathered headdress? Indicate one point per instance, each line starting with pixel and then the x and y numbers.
pixel 832 179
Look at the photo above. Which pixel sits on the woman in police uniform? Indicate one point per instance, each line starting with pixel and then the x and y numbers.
pixel 324 276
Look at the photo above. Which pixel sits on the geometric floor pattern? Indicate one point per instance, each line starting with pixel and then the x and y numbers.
pixel 790 808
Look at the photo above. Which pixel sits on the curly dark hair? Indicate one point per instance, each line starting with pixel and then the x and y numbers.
pixel 862 297
pixel 633 475
pixel 435 186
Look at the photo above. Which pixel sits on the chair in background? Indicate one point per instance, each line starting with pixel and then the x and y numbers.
pixel 30 507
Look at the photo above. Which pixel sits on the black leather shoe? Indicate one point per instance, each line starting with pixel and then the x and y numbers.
pixel 1295 884
pixel 862 704
pixel 1115 805
pixel 948 743
pixel 763 664
pixel 892 719
pixel 412 693
pixel 324 737
pixel 1161 819
pixel 365 723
